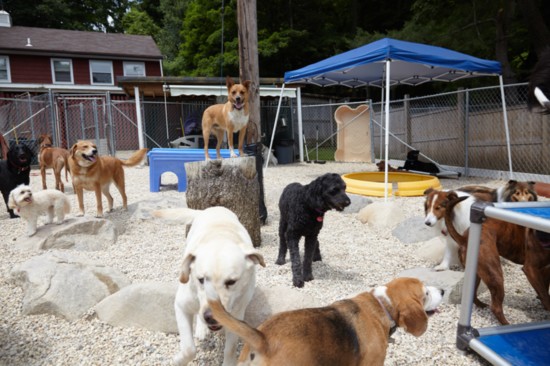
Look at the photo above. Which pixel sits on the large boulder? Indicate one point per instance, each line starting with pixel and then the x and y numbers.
pixel 381 214
pixel 81 233
pixel 413 230
pixel 58 284
pixel 144 305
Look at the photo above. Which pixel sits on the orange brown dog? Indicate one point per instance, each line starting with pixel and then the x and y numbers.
pixel 349 332
pixel 96 173
pixel 231 116
pixel 513 242
pixel 55 158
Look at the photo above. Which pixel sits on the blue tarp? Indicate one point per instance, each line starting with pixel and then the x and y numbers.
pixel 411 64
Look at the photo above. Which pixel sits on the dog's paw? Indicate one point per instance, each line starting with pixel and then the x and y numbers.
pixel 298 282
pixel 80 214
pixel 280 261
pixel 31 233
pixel 201 330
pixel 180 359
pixel 308 277
pixel 441 267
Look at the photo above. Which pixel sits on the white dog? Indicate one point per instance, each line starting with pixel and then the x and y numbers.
pixel 219 249
pixel 29 206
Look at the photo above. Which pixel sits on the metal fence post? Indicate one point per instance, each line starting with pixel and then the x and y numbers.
pixel 109 132
pixel 51 99
pixel 466 132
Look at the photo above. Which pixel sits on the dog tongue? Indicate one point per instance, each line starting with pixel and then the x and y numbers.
pixel 238 105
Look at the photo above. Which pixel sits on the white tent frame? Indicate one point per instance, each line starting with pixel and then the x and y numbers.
pixel 387 124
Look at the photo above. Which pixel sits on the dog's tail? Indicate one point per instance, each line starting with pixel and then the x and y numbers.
pixel 453 200
pixel 135 158
pixel 66 162
pixel 255 339
pixel 182 215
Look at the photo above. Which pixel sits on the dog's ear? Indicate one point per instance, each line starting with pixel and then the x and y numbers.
pixel 246 84
pixel 73 149
pixel 257 258
pixel 428 191
pixel 412 318
pixel 229 82
pixel 451 196
pixel 41 138
pixel 512 182
pixel 186 268
pixel 11 201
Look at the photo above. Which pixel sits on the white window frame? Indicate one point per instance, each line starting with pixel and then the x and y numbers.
pixel 110 63
pixel 8 75
pixel 53 60
pixel 126 64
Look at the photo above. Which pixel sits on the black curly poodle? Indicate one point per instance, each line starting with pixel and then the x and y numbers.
pixel 302 212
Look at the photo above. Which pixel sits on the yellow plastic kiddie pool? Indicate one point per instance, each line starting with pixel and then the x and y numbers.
pixel 372 183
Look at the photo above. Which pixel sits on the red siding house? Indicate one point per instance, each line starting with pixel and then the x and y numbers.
pixel 38 60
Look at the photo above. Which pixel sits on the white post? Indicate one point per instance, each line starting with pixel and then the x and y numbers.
pixel 502 96
pixel 138 114
pixel 300 129
pixel 387 134
pixel 274 126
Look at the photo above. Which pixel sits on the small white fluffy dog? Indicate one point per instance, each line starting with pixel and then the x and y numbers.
pixel 218 248
pixel 29 206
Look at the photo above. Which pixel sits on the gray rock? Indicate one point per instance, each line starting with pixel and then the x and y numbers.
pixel 59 285
pixel 358 202
pixel 413 230
pixel 271 300
pixel 451 281
pixel 144 305
pixel 142 210
pixel 81 233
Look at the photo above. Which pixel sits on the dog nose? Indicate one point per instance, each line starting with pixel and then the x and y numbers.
pixel 208 318
pixel 94 151
pixel 442 292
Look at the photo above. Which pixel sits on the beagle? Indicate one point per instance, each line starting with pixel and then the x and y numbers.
pixel 353 331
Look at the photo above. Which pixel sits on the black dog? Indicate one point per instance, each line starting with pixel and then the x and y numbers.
pixel 15 170
pixel 540 79
pixel 412 163
pixel 302 212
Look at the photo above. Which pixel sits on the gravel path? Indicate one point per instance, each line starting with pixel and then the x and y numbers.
pixel 356 257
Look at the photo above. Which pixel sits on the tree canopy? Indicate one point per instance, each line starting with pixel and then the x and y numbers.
pixel 199 37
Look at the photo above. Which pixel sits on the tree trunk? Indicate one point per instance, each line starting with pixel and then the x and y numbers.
pixel 249 70
pixel 231 183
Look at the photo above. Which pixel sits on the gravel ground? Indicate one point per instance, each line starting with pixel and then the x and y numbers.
pixel 356 257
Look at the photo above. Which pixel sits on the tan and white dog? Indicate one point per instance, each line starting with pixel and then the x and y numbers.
pixel 49 202
pixel 353 331
pixel 231 116
pixel 219 250
pixel 93 172
pixel 55 158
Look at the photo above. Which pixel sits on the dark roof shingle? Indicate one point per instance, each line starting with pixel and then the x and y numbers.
pixel 45 40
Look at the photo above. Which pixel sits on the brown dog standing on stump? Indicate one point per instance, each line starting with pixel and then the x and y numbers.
pixel 54 158
pixel 231 116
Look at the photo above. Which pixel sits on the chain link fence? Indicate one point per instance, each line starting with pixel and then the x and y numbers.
pixel 462 131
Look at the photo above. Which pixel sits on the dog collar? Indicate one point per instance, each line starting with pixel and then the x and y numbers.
pixel 393 324
pixel 19 168
pixel 320 215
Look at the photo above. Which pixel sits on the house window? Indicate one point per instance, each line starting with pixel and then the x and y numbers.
pixel 5 69
pixel 62 71
pixel 134 69
pixel 101 72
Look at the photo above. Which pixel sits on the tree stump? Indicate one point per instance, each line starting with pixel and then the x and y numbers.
pixel 231 183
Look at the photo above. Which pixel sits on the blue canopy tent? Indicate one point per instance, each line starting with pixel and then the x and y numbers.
pixel 390 62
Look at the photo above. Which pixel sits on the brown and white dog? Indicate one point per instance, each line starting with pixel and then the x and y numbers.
pixel 231 116
pixel 353 331
pixel 436 204
pixel 513 242
pixel 96 173
pixel 55 158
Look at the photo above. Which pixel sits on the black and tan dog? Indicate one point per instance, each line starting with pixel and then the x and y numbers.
pixel 349 332
pixel 302 211
pixel 231 116
pixel 513 242
pixel 15 170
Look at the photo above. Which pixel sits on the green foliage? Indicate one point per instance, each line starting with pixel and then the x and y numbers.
pixel 139 22
pixel 86 15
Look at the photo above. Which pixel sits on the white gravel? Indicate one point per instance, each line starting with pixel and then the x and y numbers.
pixel 356 257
